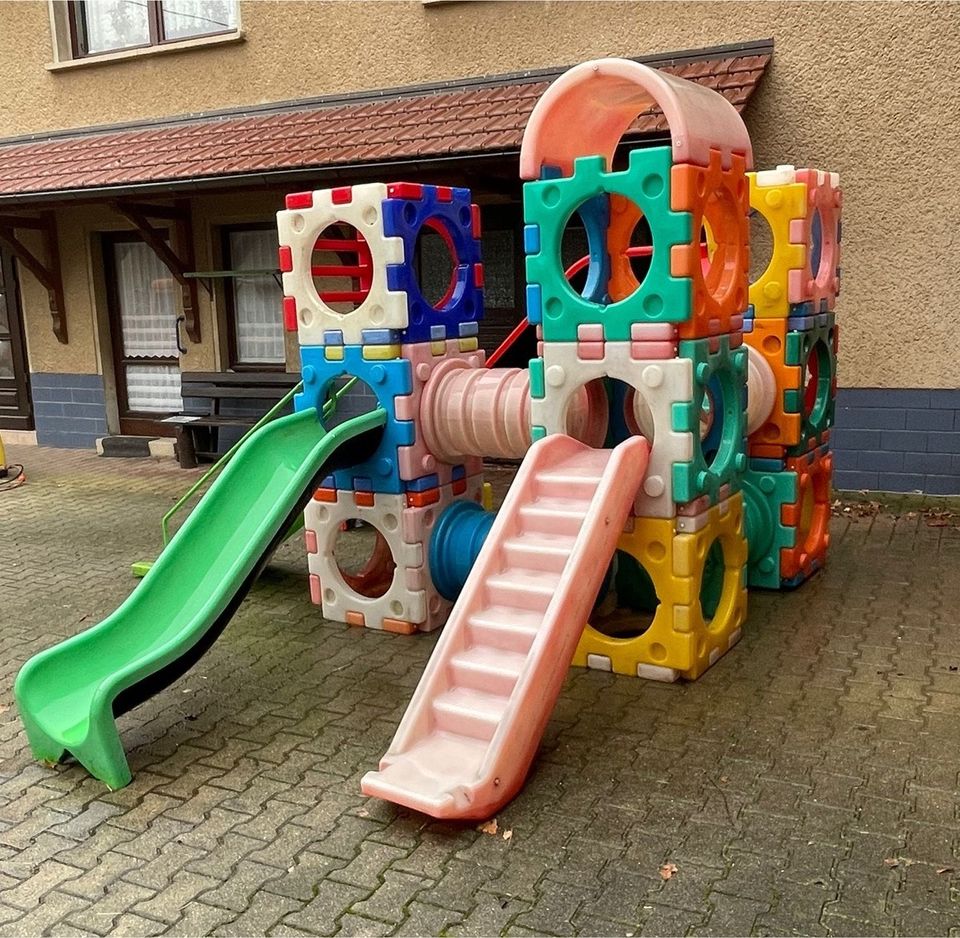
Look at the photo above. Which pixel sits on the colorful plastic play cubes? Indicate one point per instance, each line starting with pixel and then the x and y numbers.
pixel 802 365
pixel 352 292
pixel 787 510
pixel 403 460
pixel 675 600
pixel 690 408
pixel 802 208
pixel 386 584
pixel 677 204
pixel 381 303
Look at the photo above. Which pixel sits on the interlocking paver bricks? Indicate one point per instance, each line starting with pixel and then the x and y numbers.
pixel 492 915
pixel 101 915
pixel 422 919
pixel 168 904
pixel 53 908
pixel 322 913
pixel 199 919
pixel 825 744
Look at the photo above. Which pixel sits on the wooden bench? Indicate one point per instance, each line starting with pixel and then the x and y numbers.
pixel 205 393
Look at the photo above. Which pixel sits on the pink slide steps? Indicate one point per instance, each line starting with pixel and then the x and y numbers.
pixel 472 728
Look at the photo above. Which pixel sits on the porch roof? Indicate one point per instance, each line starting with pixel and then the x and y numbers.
pixel 280 142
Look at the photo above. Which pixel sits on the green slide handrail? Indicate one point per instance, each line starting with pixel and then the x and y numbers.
pixel 328 409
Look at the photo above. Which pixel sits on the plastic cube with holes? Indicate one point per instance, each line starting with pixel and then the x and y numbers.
pixel 371 335
pixel 649 342
pixel 792 339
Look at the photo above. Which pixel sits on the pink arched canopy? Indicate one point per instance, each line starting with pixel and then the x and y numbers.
pixel 589 108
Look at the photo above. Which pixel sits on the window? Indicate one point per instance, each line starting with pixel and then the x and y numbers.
pixel 101 26
pixel 254 301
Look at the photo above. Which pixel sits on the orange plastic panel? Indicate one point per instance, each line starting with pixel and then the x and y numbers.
pixel 809 515
pixel 718 199
pixel 781 429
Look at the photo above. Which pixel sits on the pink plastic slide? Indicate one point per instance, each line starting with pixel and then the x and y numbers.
pixel 466 742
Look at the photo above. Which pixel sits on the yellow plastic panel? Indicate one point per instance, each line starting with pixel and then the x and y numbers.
pixel 680 641
pixel 780 200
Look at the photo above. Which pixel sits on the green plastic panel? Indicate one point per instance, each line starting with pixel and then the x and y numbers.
pixel 726 370
pixel 818 341
pixel 764 494
pixel 549 203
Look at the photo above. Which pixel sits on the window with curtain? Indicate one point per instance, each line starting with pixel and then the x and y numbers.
pixel 99 26
pixel 147 309
pixel 254 301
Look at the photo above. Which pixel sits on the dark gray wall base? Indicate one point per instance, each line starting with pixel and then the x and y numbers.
pixel 897 440
pixel 70 410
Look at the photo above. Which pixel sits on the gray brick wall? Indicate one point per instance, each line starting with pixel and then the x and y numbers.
pixel 360 399
pixel 69 410
pixel 897 440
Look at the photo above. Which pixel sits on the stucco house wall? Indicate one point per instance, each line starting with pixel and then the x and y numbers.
pixel 868 90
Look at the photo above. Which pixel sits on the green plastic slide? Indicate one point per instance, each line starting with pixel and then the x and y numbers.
pixel 70 694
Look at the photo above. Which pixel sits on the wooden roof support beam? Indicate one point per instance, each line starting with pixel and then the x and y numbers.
pixel 47 273
pixel 177 255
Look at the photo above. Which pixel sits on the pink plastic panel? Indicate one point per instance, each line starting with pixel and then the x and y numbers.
pixel 825 197
pixel 589 108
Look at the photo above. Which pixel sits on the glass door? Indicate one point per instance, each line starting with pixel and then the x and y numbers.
pixel 142 299
pixel 16 412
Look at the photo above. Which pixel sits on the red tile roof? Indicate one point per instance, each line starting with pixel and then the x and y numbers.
pixel 470 118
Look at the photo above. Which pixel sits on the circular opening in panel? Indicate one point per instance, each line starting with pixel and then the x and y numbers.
pixel 708 412
pixel 711 582
pixel 341 267
pixel 628 600
pixel 716 443
pixel 436 256
pixel 575 253
pixel 364 558
pixel 722 265
pixel 817 382
pixel 761 245
pixel 606 411
pixel 817 256
pixel 606 249
pixel 344 398
pixel 640 249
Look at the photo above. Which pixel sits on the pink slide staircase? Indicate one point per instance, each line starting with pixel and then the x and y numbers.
pixel 465 744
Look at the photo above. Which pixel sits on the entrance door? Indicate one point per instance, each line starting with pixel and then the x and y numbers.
pixel 142 301
pixel 16 411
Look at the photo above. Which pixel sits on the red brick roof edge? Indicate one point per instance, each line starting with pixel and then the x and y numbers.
pixel 448 122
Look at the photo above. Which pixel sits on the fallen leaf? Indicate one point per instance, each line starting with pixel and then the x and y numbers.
pixel 507 835
pixel 891 862
pixel 944 869
pixel 724 779
pixel 4 708
pixel 667 870
pixel 490 827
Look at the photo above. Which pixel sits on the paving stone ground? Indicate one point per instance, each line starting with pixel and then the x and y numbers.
pixel 807 784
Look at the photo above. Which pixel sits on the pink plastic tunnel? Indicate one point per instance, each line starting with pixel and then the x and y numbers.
pixel 476 411
pixel 485 412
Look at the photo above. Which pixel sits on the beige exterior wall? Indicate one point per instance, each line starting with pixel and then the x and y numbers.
pixel 89 349
pixel 869 90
